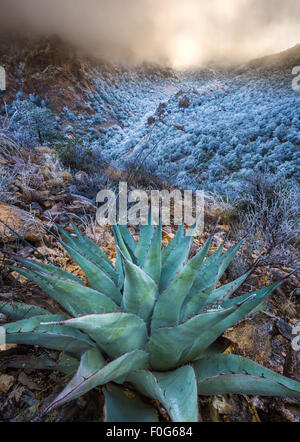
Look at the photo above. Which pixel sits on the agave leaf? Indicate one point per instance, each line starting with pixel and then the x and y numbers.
pixel 91 362
pixel 128 238
pixel 169 346
pixel 222 374
pixel 92 372
pixel 66 364
pixel 173 243
pixel 98 279
pixel 97 250
pixel 122 407
pixel 144 242
pixel 210 274
pixel 18 310
pixel 238 299
pixel 32 332
pixel 76 299
pixel 175 262
pixel 119 269
pixel 248 306
pixel 175 390
pixel 227 257
pixel 86 247
pixel 152 264
pixel 193 230
pixel 49 269
pixel 122 245
pixel 179 255
pixel 115 333
pixel 177 291
pixel 140 291
pixel 218 296
pixel 223 293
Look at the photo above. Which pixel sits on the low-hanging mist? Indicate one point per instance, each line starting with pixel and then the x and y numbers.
pixel 180 33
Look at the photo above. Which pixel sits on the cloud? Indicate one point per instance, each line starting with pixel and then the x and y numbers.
pixel 183 33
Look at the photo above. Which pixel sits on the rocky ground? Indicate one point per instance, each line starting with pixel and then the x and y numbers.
pixel 51 194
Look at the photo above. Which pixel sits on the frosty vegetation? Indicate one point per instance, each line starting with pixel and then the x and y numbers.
pixel 208 131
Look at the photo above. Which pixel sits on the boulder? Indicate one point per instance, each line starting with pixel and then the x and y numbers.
pixel 6 382
pixel 18 222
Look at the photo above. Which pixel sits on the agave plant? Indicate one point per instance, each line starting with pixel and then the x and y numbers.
pixel 150 325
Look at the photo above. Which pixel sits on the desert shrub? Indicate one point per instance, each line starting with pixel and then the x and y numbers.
pixel 77 155
pixel 269 216
pixel 31 122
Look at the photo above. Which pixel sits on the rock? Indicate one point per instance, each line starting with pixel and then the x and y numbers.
pixel 81 204
pixel 6 382
pixel 19 221
pixel 27 382
pixel 222 404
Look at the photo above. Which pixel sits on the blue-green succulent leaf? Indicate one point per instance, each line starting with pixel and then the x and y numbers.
pixel 75 298
pixel 218 296
pixel 248 305
pixel 152 264
pixel 123 407
pixel 173 243
pixel 115 333
pixel 32 332
pixel 19 310
pixel 223 293
pixel 86 247
pixel 206 280
pixel 140 291
pixel 224 374
pixel 50 269
pixel 92 372
pixel 122 245
pixel 175 390
pixel 128 238
pixel 119 269
pixel 98 279
pixel 169 346
pixel 175 262
pixel 144 242
pixel 177 291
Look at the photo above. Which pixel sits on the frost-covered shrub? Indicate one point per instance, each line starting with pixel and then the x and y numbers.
pixel 32 122
pixel 268 210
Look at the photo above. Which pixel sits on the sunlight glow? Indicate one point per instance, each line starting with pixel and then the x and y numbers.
pixel 184 52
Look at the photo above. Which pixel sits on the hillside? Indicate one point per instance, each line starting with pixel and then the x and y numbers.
pixel 209 128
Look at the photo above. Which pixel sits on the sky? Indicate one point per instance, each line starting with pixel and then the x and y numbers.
pixel 180 33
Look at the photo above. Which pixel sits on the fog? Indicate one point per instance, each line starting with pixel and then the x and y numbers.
pixel 181 33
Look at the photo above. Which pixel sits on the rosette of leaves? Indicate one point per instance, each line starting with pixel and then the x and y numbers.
pixel 149 325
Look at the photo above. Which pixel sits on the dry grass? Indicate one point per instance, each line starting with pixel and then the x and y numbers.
pixel 8 146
